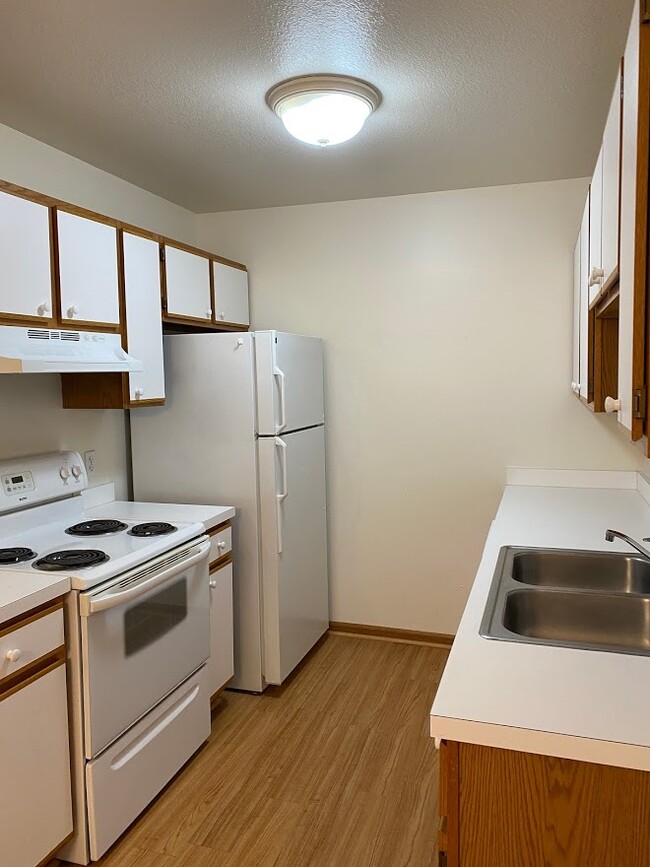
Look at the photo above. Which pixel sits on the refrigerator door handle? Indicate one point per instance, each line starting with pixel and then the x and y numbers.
pixel 280 497
pixel 279 375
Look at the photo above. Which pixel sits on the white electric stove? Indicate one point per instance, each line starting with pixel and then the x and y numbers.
pixel 138 633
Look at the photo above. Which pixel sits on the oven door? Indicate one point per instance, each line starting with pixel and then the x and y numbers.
pixel 142 634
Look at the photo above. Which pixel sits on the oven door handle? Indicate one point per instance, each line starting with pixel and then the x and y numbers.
pixel 112 599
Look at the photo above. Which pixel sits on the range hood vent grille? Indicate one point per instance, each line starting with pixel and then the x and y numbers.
pixel 44 334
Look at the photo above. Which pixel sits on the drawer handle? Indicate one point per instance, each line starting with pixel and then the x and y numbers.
pixel 221 545
pixel 13 655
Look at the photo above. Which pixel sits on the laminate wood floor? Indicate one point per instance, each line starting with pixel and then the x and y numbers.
pixel 333 769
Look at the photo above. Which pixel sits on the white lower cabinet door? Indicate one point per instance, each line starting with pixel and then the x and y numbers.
pixel 230 294
pixel 221 665
pixel 126 777
pixel 35 795
pixel 143 317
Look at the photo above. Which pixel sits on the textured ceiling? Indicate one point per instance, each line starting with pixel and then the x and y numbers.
pixel 170 95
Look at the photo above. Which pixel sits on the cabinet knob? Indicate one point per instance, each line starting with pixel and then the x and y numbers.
pixel 208 313
pixel 139 392
pixel 13 655
pixel 213 584
pixel 72 311
pixel 222 315
pixel 575 387
pixel 596 276
pixel 221 545
pixel 43 308
pixel 612 404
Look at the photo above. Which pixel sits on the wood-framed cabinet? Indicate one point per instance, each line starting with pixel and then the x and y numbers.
pixel 502 808
pixel 88 284
pixel 36 815
pixel 65 267
pixel 611 355
pixel 221 665
pixel 187 289
pixel 26 255
pixel 230 293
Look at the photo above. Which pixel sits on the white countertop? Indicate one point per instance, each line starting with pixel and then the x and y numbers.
pixel 100 501
pixel 19 593
pixel 582 704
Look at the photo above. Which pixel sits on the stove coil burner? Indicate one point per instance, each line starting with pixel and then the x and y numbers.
pixel 60 561
pixel 100 527
pixel 10 556
pixel 153 528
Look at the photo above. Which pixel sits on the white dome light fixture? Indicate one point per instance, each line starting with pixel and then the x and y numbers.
pixel 323 110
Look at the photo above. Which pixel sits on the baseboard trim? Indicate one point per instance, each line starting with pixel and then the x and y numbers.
pixel 387 633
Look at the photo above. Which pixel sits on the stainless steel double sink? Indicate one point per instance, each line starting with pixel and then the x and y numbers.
pixel 592 600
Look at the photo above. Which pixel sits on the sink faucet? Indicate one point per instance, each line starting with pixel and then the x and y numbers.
pixel 610 535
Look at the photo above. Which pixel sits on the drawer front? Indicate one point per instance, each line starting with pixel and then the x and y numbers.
pixel 24 644
pixel 220 543
pixel 126 777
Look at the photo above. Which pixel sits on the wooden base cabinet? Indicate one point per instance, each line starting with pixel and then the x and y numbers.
pixel 501 808
pixel 35 796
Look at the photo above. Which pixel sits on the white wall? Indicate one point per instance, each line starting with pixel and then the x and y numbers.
pixel 31 418
pixel 447 320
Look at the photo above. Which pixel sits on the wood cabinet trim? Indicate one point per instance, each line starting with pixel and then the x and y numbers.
pixel 28 675
pixel 449 828
pixel 30 616
pixel 218 565
pixel 219 527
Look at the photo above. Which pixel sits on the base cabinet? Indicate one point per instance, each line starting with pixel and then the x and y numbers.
pixel 35 796
pixel 221 665
pixel 501 808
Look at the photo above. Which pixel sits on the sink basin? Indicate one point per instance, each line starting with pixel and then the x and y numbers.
pixel 589 620
pixel 587 599
pixel 582 570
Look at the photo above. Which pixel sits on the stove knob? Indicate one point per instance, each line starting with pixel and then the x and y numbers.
pixel 76 472
pixel 13 655
pixel 64 472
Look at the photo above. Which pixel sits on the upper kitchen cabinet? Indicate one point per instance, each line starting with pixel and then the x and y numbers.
pixel 611 156
pixel 582 383
pixel 230 294
pixel 605 204
pixel 187 289
pixel 595 233
pixel 143 322
pixel 88 282
pixel 26 285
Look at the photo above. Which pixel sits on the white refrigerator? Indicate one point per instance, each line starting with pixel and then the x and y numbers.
pixel 243 425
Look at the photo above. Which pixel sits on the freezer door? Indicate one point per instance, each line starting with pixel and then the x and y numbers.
pixel 289 382
pixel 294 548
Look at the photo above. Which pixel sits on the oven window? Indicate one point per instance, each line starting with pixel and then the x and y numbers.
pixel 146 622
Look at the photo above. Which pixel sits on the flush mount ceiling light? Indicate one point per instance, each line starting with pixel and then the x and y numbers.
pixel 323 110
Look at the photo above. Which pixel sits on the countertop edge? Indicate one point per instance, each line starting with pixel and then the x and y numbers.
pixel 24 604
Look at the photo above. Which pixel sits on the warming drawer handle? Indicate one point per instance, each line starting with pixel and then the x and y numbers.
pixel 154 730
pixel 279 375
pixel 109 599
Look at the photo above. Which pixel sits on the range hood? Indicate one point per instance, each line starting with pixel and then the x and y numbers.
pixel 44 350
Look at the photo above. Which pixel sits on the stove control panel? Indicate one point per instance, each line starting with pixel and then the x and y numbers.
pixel 37 479
pixel 13 484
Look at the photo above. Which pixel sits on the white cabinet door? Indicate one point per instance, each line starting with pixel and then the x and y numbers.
pixel 221 666
pixel 596 229
pixel 627 349
pixel 611 185
pixel 583 378
pixel 36 800
pixel 26 285
pixel 230 294
pixel 575 366
pixel 188 284
pixel 88 270
pixel 143 316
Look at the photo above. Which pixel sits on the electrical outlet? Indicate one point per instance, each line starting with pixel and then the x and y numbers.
pixel 91 462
